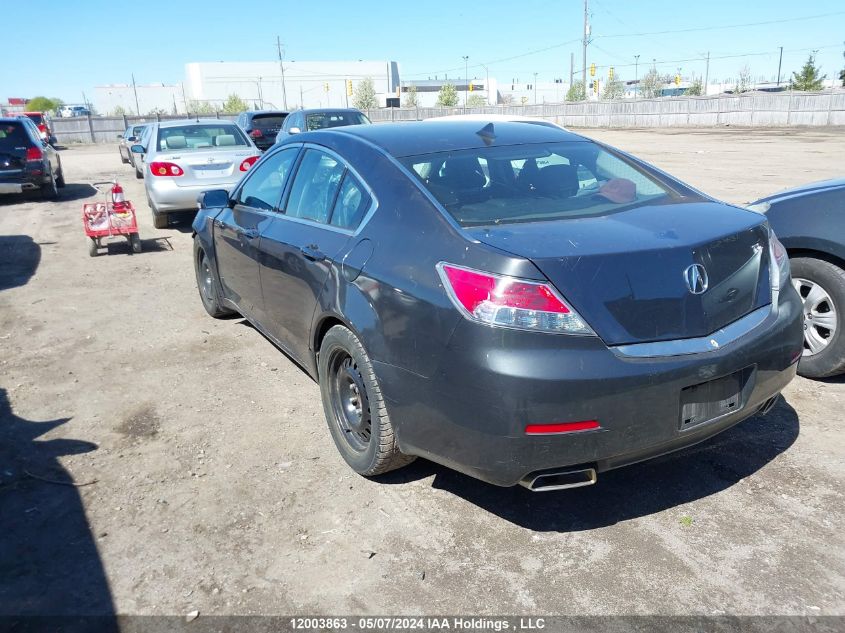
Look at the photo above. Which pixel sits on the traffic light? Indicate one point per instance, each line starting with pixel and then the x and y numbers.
pixel 593 69
pixel 596 86
pixel 326 86
pixel 349 87
pixel 471 88
pixel 677 80
pixel 610 73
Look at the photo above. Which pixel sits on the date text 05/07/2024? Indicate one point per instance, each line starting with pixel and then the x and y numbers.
pixel 418 623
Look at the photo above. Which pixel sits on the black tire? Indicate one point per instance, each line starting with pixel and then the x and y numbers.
pixel 135 242
pixel 60 179
pixel 830 360
pixel 207 285
pixel 354 407
pixel 49 190
pixel 93 250
pixel 160 220
pixel 138 173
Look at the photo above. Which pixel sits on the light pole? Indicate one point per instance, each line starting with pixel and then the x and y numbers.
pixel 466 79
pixel 636 76
pixel 535 88
pixel 487 83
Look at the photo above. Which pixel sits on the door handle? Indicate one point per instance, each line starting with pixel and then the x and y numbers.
pixel 249 234
pixel 220 224
pixel 312 252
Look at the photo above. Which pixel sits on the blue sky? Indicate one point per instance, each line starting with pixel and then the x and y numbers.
pixel 91 43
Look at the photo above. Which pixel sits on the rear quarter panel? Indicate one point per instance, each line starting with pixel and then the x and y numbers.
pixel 811 222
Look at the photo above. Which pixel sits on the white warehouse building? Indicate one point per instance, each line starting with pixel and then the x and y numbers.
pixel 260 84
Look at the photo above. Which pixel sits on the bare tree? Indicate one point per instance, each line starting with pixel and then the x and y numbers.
pixel 745 81
pixel 651 85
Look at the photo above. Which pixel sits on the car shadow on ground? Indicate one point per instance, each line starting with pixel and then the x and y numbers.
pixel 70 192
pixel 49 564
pixel 120 246
pixel 20 256
pixel 632 492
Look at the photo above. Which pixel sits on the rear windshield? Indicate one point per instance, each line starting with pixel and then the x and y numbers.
pixel 265 121
pixel 536 182
pixel 320 120
pixel 13 136
pixel 200 136
pixel 37 118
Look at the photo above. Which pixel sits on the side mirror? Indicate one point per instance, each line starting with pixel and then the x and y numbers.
pixel 213 199
pixel 121 136
pixel 137 149
pixel 132 139
pixel 294 130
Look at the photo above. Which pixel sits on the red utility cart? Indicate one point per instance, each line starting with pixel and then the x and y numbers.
pixel 112 217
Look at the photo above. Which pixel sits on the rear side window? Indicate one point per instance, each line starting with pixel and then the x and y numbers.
pixel 200 136
pixel 315 187
pixel 351 205
pixel 13 136
pixel 263 187
pixel 537 182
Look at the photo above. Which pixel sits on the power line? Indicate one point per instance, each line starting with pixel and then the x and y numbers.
pixel 726 26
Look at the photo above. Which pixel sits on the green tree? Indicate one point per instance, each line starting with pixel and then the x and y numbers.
pixel 476 101
pixel 448 95
pixel 613 89
pixel 651 85
pixel 696 88
pixel 43 104
pixel 119 111
pixel 156 112
pixel 576 92
pixel 745 81
pixel 234 105
pixel 411 98
pixel 808 77
pixel 201 107
pixel 364 95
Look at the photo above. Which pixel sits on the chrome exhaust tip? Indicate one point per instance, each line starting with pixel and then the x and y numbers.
pixel 768 405
pixel 558 480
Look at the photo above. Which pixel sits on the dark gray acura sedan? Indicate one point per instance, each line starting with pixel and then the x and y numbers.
pixel 509 299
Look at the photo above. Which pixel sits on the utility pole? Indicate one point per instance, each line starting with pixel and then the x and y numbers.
pixel 282 69
pixel 135 90
pixel 535 88
pixel 571 68
pixel 707 74
pixel 466 79
pixel 636 76
pixel 487 83
pixel 584 48
pixel 780 60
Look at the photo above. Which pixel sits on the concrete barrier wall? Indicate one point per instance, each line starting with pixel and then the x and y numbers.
pixel 783 109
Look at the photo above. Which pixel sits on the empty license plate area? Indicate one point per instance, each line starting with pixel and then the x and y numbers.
pixel 709 401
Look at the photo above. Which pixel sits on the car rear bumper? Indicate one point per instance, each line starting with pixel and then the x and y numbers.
pixel 472 414
pixel 166 196
pixel 20 182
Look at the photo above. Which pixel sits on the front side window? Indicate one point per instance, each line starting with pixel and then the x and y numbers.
pixel 200 136
pixel 537 182
pixel 315 187
pixel 263 187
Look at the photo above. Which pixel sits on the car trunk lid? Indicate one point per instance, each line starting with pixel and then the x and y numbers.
pixel 630 274
pixel 207 167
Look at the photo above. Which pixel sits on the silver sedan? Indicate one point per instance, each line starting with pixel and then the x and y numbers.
pixel 184 158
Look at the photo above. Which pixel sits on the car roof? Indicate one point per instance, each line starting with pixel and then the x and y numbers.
pixel 254 112
pixel 183 122
pixel 10 119
pixel 426 137
pixel 322 110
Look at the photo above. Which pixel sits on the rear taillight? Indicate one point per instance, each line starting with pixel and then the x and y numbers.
pixel 509 302
pixel 42 127
pixel 561 427
pixel 34 153
pixel 256 133
pixel 248 162
pixel 165 169
pixel 779 262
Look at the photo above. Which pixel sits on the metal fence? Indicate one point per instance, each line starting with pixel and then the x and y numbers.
pixel 104 129
pixel 784 109
pixel 749 110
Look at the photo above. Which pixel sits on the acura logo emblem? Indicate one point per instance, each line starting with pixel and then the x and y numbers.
pixel 696 278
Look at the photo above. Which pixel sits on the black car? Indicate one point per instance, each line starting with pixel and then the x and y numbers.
pixel 28 163
pixel 511 300
pixel 810 222
pixel 320 119
pixel 262 126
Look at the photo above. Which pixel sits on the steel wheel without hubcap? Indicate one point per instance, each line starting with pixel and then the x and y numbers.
pixel 350 405
pixel 820 318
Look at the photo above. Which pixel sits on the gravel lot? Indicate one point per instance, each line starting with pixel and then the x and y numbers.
pixel 206 479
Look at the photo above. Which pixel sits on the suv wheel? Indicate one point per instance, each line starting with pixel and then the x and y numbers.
pixel 49 190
